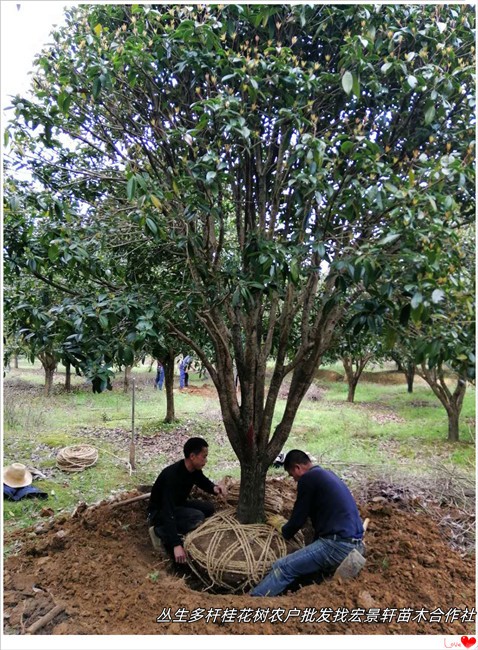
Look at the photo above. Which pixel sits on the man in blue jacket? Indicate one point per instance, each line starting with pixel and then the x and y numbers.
pixel 338 529
pixel 171 513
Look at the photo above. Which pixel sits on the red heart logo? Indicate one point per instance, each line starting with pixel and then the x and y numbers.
pixel 468 641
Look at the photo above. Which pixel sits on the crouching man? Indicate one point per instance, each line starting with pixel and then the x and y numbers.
pixel 338 529
pixel 170 513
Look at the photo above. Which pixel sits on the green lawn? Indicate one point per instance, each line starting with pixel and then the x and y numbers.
pixel 385 428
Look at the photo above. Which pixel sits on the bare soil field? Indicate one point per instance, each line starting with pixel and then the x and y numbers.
pixel 100 567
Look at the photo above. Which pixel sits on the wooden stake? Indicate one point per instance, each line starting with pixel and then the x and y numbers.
pixel 132 449
pixel 141 497
pixel 45 619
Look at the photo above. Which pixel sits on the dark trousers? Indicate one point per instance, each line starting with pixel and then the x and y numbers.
pixel 188 517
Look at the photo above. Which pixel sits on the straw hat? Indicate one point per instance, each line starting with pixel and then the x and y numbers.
pixel 16 475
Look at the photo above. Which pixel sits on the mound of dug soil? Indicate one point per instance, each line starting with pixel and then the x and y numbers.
pixel 99 566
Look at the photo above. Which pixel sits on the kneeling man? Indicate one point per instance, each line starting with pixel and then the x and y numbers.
pixel 170 513
pixel 338 529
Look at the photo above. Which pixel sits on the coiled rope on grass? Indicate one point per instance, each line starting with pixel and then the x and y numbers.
pixel 228 555
pixel 76 458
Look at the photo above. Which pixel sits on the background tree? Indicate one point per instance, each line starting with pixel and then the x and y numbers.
pixel 438 330
pixel 255 169
pixel 355 352
pixel 406 363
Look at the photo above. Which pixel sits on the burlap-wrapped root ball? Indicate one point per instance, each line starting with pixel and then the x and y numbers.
pixel 227 555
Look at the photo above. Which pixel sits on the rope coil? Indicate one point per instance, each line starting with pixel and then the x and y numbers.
pixel 76 458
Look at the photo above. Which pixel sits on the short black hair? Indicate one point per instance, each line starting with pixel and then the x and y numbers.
pixel 295 457
pixel 194 446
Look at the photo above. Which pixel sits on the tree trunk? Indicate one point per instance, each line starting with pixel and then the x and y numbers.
pixel 453 424
pixel 15 361
pixel 398 362
pixel 168 365
pixel 242 339
pixel 351 391
pixel 452 402
pixel 127 377
pixel 353 374
pixel 252 492
pixel 49 373
pixel 48 362
pixel 409 371
pixel 68 376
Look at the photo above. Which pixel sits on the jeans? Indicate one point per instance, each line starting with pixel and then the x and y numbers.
pixel 322 556
pixel 188 517
pixel 158 382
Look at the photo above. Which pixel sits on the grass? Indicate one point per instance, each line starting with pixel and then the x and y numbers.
pixel 385 427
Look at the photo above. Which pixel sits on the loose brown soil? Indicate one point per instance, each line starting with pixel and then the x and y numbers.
pixel 99 564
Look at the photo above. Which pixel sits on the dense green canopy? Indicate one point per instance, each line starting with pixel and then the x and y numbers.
pixel 248 177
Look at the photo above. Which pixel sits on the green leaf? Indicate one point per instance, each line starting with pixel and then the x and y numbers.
pixel 294 271
pixel 417 313
pixel 128 356
pixel 53 253
pixel 438 295
pixel 429 112
pixel 416 300
pixel 390 338
pixel 356 85
pixel 96 87
pixel 58 209
pixel 412 81
pixel 388 239
pixel 386 67
pixel 131 188
pixel 236 297
pixel 151 226
pixel 347 82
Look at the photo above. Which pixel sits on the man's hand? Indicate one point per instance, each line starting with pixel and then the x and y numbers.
pixel 276 521
pixel 179 555
pixel 220 489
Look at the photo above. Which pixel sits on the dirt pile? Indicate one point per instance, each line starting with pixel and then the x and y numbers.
pixel 100 566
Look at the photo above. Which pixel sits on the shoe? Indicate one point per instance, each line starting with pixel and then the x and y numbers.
pixel 158 544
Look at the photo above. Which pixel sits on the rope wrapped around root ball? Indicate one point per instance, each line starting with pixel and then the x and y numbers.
pixel 76 458
pixel 227 555
pixel 273 501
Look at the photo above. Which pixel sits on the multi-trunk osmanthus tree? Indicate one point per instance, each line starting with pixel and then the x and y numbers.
pixel 272 156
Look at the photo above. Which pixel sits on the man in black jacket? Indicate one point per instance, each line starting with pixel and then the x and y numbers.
pixel 171 514
pixel 338 529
